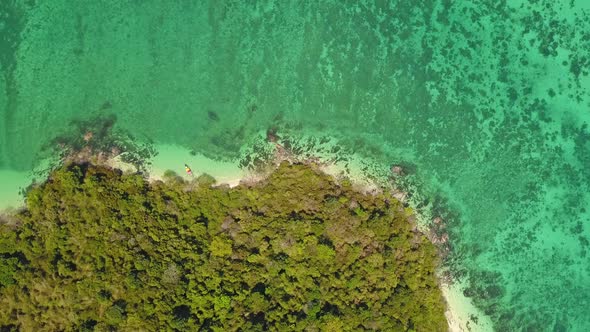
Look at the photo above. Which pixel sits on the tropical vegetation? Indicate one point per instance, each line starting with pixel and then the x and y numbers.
pixel 98 250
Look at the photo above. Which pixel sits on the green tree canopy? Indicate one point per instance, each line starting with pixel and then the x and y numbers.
pixel 98 250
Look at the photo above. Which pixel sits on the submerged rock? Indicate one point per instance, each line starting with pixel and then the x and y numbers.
pixel 397 170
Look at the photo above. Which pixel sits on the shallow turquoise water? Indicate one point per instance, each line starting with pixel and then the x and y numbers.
pixel 488 99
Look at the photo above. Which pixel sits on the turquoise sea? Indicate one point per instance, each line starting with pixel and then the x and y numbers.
pixel 485 102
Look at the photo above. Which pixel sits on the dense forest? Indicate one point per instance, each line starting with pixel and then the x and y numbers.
pixel 98 250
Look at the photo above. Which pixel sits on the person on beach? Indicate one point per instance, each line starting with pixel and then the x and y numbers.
pixel 188 170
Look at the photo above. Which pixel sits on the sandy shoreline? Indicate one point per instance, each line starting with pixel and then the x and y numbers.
pixel 173 158
pixel 461 315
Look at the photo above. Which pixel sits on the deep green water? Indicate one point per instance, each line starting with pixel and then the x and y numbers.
pixel 488 99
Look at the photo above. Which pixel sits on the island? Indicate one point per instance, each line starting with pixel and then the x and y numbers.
pixel 99 249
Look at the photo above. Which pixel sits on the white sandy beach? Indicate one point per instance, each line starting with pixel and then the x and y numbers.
pixel 461 314
pixel 360 181
pixel 173 157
